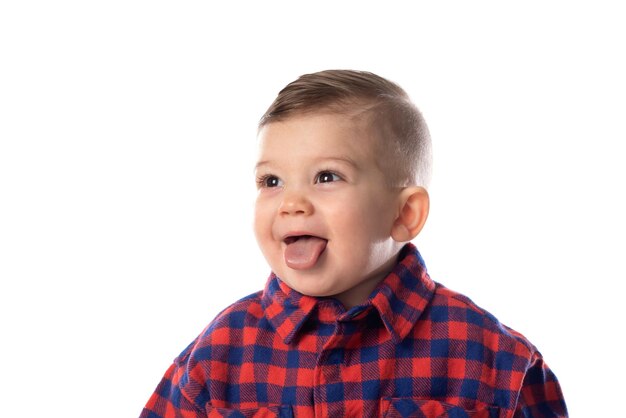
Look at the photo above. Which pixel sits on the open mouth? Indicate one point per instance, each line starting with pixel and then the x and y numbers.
pixel 293 238
pixel 303 251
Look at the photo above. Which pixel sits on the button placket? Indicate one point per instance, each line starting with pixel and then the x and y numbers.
pixel 328 376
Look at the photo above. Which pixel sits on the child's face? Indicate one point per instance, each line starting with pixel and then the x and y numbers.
pixel 324 211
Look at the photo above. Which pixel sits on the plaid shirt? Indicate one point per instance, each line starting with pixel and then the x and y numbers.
pixel 413 349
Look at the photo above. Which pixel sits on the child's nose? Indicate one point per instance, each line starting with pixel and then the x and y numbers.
pixel 295 203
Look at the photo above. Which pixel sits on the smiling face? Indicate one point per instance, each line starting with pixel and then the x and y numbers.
pixel 325 211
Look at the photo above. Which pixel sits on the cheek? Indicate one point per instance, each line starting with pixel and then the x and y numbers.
pixel 362 216
pixel 262 219
pixel 353 228
pixel 339 211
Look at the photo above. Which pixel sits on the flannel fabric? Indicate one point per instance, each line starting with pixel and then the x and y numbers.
pixel 413 349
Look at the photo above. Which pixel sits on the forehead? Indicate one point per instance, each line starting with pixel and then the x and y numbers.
pixel 318 133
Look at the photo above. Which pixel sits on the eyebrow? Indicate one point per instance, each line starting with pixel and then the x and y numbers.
pixel 341 159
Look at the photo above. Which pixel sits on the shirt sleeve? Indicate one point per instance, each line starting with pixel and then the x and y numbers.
pixel 540 395
pixel 168 401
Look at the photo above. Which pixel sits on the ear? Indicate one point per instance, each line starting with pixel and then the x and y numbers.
pixel 414 206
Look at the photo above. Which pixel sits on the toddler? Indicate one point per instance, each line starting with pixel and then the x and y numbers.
pixel 350 324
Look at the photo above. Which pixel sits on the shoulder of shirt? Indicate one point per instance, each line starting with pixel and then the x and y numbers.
pixel 246 312
pixel 492 327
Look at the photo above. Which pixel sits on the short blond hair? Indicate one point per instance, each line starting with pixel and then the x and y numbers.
pixel 405 139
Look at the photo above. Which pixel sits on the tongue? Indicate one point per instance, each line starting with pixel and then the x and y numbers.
pixel 304 252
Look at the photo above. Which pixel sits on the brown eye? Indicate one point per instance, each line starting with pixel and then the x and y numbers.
pixel 272 181
pixel 327 177
pixel 269 182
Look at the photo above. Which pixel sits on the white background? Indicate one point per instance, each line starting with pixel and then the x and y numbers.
pixel 127 140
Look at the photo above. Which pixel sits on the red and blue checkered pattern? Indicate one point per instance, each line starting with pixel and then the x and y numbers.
pixel 413 349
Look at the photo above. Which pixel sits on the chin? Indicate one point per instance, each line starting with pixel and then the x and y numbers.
pixel 309 289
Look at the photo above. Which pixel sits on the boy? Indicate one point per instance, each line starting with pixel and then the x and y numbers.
pixel 349 323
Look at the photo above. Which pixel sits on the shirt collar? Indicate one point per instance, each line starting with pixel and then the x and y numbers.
pixel 400 298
